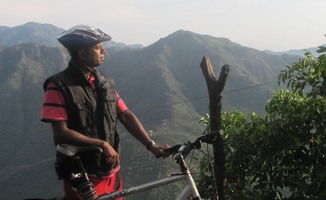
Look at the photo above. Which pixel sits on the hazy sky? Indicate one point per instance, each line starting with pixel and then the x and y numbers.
pixel 277 25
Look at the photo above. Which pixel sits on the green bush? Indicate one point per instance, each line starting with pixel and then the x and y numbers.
pixel 280 155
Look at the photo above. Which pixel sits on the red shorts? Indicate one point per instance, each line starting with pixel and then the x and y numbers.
pixel 102 184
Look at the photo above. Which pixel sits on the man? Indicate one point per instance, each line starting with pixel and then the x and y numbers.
pixel 83 107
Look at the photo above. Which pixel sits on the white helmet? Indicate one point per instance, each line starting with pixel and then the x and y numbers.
pixel 82 36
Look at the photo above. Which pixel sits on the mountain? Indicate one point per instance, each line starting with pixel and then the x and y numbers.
pixel 25 142
pixel 162 83
pixel 172 64
pixel 298 52
pixel 42 34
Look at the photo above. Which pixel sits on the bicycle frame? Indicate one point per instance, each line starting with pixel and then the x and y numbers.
pixel 190 189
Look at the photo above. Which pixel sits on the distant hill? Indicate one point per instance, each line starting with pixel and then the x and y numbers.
pixel 42 34
pixel 299 52
pixel 162 83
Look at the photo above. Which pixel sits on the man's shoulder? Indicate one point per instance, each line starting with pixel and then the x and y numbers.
pixel 60 79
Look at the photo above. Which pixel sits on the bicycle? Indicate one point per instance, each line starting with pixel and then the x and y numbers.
pixel 179 152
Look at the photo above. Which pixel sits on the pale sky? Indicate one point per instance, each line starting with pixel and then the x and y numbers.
pixel 277 25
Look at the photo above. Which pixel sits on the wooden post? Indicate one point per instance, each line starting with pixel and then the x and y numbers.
pixel 215 88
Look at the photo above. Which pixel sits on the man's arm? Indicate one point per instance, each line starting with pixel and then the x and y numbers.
pixel 62 134
pixel 134 126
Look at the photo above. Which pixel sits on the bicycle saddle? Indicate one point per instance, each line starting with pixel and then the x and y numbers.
pixel 72 150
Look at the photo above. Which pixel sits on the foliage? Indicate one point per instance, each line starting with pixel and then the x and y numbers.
pixel 280 155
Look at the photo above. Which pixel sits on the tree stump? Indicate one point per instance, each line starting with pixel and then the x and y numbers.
pixel 215 88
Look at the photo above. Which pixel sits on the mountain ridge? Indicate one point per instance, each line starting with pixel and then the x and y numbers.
pixel 42 34
pixel 225 54
pixel 45 34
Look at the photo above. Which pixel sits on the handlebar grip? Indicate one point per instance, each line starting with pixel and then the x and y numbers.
pixel 174 149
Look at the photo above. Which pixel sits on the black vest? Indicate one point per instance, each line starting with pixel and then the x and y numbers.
pixel 90 112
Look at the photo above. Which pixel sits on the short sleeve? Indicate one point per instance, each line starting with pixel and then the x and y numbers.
pixel 121 107
pixel 54 108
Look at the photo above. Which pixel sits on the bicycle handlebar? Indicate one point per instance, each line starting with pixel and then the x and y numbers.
pixel 184 149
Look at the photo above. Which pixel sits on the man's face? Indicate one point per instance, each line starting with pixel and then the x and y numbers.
pixel 94 56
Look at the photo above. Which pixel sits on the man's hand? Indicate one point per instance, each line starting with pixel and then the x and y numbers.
pixel 159 151
pixel 112 156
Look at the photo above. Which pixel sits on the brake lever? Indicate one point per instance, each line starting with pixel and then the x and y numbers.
pixel 174 149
